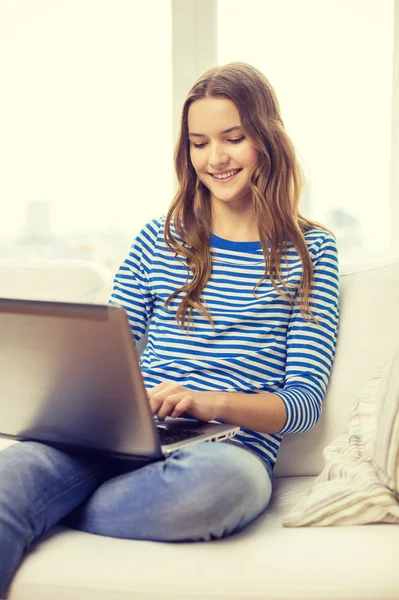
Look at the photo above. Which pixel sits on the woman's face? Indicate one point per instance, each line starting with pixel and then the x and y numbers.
pixel 222 156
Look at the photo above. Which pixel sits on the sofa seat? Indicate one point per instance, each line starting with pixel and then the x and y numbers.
pixel 279 563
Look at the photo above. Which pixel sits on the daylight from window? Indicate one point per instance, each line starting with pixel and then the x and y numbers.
pixel 86 111
pixel 86 143
pixel 330 63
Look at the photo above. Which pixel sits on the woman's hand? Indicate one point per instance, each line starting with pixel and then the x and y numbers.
pixel 171 400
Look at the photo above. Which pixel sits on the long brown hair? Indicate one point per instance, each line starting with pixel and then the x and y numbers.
pixel 276 184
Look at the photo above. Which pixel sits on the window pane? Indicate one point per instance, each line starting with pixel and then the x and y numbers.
pixel 330 63
pixel 86 145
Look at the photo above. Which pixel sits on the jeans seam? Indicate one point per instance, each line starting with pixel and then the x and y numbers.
pixel 44 503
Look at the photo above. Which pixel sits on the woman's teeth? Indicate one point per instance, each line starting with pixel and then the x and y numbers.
pixel 226 175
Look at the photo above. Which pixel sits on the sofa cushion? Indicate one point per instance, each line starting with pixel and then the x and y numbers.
pixel 367 335
pixel 265 561
pixel 360 480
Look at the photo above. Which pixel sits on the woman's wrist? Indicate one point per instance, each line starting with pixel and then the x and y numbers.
pixel 221 401
pixel 264 412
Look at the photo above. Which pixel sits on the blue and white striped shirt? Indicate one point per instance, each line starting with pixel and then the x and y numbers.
pixel 259 343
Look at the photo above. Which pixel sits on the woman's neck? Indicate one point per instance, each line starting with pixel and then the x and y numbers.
pixel 238 226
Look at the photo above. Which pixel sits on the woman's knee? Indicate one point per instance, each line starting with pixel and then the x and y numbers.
pixel 229 487
pixel 19 459
pixel 226 463
pixel 39 484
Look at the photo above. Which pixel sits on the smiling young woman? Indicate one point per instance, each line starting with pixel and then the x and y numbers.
pixel 239 294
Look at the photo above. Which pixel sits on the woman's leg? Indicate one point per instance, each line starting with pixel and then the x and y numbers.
pixel 205 492
pixel 39 485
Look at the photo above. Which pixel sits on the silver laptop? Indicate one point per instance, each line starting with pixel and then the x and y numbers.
pixel 70 377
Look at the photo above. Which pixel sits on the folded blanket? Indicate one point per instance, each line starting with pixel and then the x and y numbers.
pixel 359 483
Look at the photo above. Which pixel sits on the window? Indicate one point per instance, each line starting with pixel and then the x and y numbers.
pixel 92 92
pixel 331 65
pixel 86 144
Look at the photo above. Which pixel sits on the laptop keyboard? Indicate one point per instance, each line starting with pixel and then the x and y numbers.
pixel 168 437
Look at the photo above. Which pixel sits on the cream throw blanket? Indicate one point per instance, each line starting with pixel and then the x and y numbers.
pixel 359 483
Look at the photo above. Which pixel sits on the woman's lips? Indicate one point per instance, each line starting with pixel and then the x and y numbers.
pixel 225 179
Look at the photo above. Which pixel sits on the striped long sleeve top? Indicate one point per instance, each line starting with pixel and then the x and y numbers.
pixel 258 344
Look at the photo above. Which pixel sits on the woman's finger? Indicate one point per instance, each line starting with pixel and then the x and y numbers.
pixel 168 405
pixel 182 407
pixel 156 403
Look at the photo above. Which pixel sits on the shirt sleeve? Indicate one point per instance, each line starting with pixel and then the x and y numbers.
pixel 131 288
pixel 311 346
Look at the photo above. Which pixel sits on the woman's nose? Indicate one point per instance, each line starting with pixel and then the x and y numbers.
pixel 218 157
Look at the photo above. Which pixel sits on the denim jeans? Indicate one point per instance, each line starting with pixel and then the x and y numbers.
pixel 204 492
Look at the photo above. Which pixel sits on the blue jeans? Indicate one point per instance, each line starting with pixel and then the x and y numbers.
pixel 204 492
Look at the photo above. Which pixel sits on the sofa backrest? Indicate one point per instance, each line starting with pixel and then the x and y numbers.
pixel 367 335
pixel 63 280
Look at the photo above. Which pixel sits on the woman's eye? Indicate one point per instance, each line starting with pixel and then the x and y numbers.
pixel 232 141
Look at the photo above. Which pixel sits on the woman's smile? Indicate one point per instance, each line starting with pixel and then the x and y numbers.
pixel 225 176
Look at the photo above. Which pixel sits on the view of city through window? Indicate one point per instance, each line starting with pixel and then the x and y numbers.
pixel 86 148
pixel 37 239
pixel 331 64
pixel 86 142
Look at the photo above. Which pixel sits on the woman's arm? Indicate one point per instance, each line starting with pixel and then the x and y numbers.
pixel 131 287
pixel 263 412
pixel 311 347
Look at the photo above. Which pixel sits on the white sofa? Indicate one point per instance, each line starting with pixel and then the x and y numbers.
pixel 266 561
